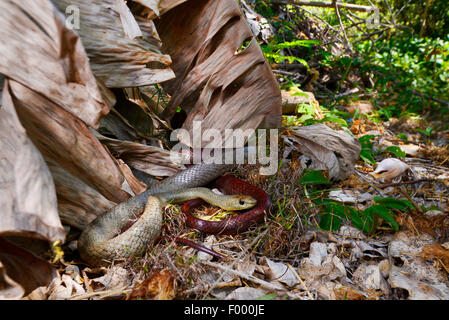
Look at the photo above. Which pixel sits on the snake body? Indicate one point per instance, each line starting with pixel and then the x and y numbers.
pixel 101 242
pixel 240 223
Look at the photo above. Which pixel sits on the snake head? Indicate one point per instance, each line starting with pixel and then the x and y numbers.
pixel 241 202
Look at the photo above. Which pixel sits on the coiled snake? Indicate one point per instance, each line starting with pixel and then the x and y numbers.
pixel 101 242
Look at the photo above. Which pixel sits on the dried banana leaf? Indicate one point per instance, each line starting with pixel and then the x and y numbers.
pixel 39 52
pixel 151 160
pixel 159 7
pixel 67 140
pixel 222 77
pixel 27 192
pixel 118 60
pixel 78 204
pixel 26 270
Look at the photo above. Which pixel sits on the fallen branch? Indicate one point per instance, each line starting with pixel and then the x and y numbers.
pixel 325 4
pixel 422 95
pixel 408 182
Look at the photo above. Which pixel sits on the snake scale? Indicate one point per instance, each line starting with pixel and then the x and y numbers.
pixel 101 242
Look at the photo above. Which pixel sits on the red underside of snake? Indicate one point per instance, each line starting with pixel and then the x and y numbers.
pixel 230 226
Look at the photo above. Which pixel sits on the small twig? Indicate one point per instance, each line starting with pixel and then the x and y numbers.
pixel 337 10
pixel 447 158
pixel 319 18
pixel 197 246
pixel 400 10
pixel 300 280
pixel 356 16
pixel 103 294
pixel 355 24
pixel 347 93
pixel 290 66
pixel 422 95
pixel 325 4
pixel 285 73
pixel 412 201
pixel 246 276
pixel 407 182
pixel 219 285
pixel 391 13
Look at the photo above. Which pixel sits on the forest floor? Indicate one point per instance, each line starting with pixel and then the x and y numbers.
pixel 291 255
pixel 378 233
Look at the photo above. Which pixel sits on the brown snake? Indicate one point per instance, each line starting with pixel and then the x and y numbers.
pixel 101 242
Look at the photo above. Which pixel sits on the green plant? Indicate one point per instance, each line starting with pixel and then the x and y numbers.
pixel 273 54
pixel 366 153
pixel 396 151
pixel 410 71
pixel 428 131
pixel 313 177
pixel 334 213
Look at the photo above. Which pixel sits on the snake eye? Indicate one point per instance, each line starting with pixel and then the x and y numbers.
pixel 242 202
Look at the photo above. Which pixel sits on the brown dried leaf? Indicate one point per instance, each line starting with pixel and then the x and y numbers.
pixel 438 252
pixel 129 24
pixel 328 149
pixel 39 52
pixel 279 271
pixel 409 271
pixel 152 160
pixel 67 140
pixel 25 268
pixel 78 204
pixel 160 286
pixel 64 288
pixel 116 59
pixel 151 4
pixel 27 192
pixel 115 277
pixel 162 6
pixel 10 290
pixel 348 293
pixel 136 186
pixel 215 82
pixel 137 96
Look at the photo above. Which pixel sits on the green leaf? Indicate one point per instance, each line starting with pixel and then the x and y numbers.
pixel 301 94
pixel 314 177
pixel 367 156
pixel 292 44
pixel 427 132
pixel 324 201
pixel 305 117
pixel 391 202
pixel 396 151
pixel 385 213
pixel 363 221
pixel 335 119
pixel 269 296
pixel 365 140
pixel 330 222
pixel 366 153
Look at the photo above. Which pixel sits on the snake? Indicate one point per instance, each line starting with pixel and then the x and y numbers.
pixel 103 240
pixel 228 184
